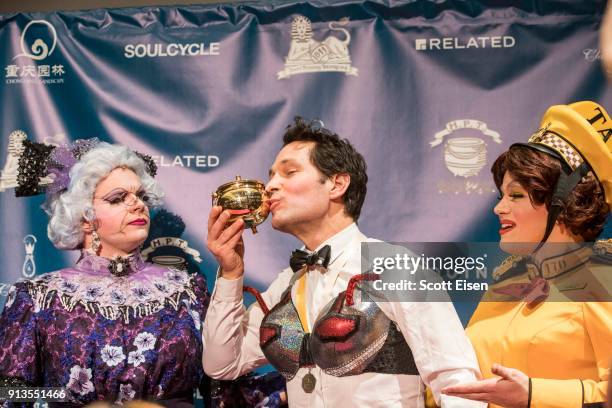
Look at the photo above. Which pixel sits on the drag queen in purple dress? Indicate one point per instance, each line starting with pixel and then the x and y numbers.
pixel 112 327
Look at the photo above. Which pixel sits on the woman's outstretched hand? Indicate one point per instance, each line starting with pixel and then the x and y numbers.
pixel 509 390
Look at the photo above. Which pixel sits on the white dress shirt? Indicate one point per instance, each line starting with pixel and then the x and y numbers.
pixel 441 350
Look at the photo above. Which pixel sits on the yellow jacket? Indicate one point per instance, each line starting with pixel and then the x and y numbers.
pixel 563 344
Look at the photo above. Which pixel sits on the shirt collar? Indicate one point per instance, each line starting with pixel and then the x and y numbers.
pixel 340 241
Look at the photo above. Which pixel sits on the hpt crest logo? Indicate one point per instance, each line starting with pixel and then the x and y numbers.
pixel 465 155
pixel 175 260
pixel 309 55
pixel 164 246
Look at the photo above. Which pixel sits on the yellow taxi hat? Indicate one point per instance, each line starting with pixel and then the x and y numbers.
pixel 579 132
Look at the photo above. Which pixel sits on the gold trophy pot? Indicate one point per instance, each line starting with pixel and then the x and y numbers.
pixel 244 199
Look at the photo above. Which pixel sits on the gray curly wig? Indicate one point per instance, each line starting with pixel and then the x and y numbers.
pixel 68 209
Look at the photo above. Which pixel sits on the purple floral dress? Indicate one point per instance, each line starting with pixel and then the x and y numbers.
pixel 105 337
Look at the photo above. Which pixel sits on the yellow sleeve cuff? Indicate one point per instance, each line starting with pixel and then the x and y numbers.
pixel 547 393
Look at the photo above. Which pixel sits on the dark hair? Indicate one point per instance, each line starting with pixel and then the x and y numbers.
pixel 537 172
pixel 332 155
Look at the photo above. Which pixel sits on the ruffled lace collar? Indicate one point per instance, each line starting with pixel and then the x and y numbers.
pixel 145 290
pixel 119 266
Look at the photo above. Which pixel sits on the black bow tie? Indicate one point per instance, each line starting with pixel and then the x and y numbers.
pixel 300 258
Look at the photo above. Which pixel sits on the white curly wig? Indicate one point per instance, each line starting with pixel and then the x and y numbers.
pixel 68 209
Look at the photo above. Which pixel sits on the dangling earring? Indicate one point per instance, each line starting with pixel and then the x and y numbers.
pixel 96 244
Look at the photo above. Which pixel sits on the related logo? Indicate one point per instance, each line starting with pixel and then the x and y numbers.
pixel 41 48
pixel 28 269
pixel 592 54
pixel 171 50
pixel 456 43
pixel 309 55
pixel 465 155
pixel 186 160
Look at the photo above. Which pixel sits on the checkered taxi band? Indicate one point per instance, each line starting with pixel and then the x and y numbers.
pixel 557 143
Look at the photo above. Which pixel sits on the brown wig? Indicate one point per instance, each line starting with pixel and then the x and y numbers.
pixel 586 210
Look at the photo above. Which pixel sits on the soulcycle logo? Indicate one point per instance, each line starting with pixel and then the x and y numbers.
pixel 43 39
pixel 171 50
pixel 456 43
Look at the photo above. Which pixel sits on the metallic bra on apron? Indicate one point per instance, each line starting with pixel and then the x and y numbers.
pixel 347 339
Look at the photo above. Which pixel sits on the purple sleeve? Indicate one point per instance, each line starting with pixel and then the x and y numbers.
pixel 200 289
pixel 18 338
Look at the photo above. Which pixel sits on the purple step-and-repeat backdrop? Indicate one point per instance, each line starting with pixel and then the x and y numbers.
pixel 430 93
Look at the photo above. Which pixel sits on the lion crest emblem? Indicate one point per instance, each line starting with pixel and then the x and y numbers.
pixel 309 55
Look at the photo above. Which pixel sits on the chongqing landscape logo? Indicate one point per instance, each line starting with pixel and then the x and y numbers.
pixel 28 66
pixel 309 55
